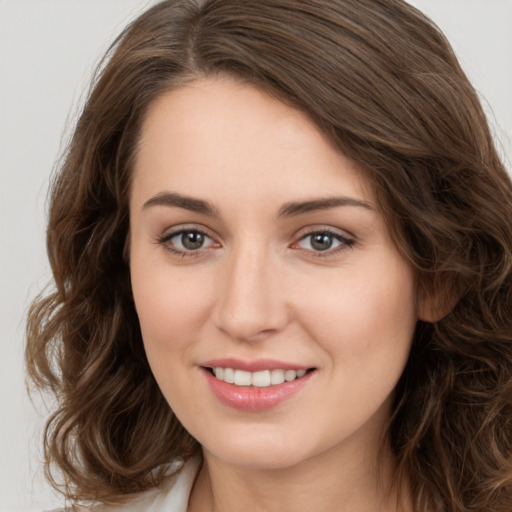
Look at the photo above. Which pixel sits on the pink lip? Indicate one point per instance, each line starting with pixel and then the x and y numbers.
pixel 257 365
pixel 253 399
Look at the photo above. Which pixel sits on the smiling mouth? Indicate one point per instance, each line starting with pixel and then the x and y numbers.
pixel 260 379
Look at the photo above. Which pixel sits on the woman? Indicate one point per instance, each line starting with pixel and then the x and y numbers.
pixel 282 257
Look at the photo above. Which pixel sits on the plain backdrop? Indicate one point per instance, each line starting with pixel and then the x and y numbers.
pixel 48 49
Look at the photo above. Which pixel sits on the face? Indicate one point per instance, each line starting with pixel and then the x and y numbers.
pixel 276 312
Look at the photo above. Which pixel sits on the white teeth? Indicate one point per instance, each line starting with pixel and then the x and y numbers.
pixel 261 379
pixel 290 375
pixel 229 375
pixel 243 378
pixel 276 376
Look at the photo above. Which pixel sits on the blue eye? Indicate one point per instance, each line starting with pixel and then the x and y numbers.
pixel 322 241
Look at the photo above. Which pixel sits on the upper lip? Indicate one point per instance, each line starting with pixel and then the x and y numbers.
pixel 255 365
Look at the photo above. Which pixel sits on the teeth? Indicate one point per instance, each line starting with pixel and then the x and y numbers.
pixel 260 379
pixel 290 375
pixel 276 376
pixel 229 375
pixel 243 378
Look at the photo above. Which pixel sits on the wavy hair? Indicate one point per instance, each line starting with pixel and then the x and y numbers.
pixel 382 82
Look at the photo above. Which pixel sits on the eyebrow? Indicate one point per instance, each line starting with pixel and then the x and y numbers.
pixel 290 209
pixel 300 207
pixel 186 202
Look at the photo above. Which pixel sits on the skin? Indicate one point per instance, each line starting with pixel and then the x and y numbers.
pixel 258 288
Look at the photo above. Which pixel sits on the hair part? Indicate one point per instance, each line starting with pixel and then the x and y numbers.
pixel 382 82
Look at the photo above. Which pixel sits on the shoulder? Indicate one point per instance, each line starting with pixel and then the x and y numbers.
pixel 171 496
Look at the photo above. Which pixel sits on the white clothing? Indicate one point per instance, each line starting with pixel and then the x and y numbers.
pixel 171 496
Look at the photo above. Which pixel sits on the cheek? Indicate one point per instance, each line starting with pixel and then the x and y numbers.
pixel 171 307
pixel 171 314
pixel 364 314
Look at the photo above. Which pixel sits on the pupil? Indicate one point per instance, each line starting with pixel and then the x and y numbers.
pixel 321 242
pixel 192 240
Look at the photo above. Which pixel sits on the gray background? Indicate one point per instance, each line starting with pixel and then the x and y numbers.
pixel 48 49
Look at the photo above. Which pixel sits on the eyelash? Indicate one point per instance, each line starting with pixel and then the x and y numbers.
pixel 344 243
pixel 164 240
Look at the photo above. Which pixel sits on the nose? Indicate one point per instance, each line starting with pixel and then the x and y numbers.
pixel 250 303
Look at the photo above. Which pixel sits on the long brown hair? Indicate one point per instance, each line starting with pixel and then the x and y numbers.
pixel 383 83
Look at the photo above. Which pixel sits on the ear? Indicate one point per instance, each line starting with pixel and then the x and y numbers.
pixel 434 302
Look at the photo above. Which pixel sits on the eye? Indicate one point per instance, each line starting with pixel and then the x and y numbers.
pixel 186 241
pixel 323 241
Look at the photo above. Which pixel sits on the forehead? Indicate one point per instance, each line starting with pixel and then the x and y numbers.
pixel 219 131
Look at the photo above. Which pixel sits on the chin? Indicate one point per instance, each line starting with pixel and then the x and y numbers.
pixel 261 452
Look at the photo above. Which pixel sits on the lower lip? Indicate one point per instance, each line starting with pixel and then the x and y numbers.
pixel 253 399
